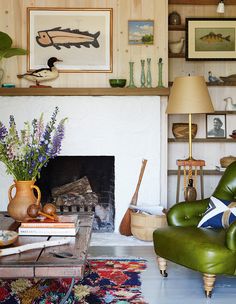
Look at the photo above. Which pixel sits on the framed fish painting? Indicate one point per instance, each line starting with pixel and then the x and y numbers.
pixel 81 38
pixel 210 39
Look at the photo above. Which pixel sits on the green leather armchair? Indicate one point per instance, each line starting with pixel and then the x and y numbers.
pixel 207 250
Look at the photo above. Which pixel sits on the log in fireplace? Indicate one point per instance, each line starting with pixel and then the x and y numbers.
pixel 81 183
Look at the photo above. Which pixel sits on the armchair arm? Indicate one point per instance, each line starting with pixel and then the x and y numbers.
pixel 231 237
pixel 187 213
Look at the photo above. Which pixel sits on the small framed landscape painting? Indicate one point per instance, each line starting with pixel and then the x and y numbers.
pixel 215 126
pixel 140 32
pixel 211 39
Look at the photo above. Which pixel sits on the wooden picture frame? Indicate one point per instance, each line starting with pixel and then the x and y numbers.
pixel 141 32
pixel 215 126
pixel 81 37
pixel 210 39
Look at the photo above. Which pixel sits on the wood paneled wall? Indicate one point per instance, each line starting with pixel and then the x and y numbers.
pixel 14 22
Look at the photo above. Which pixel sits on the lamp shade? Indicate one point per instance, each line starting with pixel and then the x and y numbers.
pixel 189 95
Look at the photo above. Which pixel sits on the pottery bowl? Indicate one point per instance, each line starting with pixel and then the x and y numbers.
pixel 180 130
pixel 117 83
pixel 227 160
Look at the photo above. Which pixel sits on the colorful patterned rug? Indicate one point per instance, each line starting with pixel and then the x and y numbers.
pixel 106 281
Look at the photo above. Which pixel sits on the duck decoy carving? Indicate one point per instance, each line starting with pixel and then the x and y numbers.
pixel 43 74
pixel 230 104
pixel 177 46
pixel 212 78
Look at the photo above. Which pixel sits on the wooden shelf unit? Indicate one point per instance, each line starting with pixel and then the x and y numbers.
pixel 178 27
pixel 210 84
pixel 202 140
pixel 200 2
pixel 205 172
pixel 180 55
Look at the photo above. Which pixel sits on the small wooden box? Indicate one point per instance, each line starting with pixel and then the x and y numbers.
pixel 143 225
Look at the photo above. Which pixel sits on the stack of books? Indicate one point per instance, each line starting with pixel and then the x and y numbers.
pixel 65 225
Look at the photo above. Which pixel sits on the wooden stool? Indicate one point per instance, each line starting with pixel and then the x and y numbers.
pixel 190 163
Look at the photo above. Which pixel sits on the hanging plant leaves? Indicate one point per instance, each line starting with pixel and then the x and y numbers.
pixel 6 50
pixel 14 52
pixel 5 41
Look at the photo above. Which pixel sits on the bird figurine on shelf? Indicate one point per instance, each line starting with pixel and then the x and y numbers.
pixel 43 74
pixel 212 79
pixel 230 104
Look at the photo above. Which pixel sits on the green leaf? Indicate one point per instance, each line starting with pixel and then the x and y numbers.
pixel 5 41
pixel 14 52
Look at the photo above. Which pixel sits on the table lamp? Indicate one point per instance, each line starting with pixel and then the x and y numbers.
pixel 189 95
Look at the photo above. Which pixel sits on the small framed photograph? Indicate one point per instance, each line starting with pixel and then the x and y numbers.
pixel 80 37
pixel 210 39
pixel 215 126
pixel 141 32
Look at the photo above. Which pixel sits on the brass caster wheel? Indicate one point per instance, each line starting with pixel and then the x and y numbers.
pixel 208 294
pixel 164 273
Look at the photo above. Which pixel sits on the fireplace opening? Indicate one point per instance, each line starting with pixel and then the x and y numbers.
pixel 81 183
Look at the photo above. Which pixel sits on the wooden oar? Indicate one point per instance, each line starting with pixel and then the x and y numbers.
pixel 125 225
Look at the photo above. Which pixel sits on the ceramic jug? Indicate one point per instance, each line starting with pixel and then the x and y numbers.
pixel 24 197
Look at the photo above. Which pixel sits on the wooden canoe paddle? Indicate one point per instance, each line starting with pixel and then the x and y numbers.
pixel 125 225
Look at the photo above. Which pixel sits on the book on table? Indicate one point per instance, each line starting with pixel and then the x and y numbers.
pixel 65 225
pixel 63 221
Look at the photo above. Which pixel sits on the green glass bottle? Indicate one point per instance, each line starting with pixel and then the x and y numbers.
pixel 149 75
pixel 143 78
pixel 160 65
pixel 131 75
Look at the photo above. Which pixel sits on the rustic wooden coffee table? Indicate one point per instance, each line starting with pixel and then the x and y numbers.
pixel 46 262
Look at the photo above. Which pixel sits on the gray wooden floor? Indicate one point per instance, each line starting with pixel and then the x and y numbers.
pixel 182 286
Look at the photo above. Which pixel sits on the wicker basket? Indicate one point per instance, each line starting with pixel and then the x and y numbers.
pixel 227 160
pixel 143 225
pixel 180 130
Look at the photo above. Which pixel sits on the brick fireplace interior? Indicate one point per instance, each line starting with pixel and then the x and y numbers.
pixel 99 171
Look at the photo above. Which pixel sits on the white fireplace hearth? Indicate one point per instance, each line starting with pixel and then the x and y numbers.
pixel 129 128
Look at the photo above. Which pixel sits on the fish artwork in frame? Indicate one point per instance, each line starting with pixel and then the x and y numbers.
pixel 210 39
pixel 82 38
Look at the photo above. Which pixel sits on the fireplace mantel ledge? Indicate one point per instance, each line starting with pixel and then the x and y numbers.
pixel 84 91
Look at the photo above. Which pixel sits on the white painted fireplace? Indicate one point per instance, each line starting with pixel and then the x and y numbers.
pixel 129 128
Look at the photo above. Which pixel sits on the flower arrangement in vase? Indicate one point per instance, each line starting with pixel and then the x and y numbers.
pixel 24 154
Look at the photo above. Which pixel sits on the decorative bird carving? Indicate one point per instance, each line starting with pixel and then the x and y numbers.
pixel 43 74
pixel 230 104
pixel 212 78
pixel 177 46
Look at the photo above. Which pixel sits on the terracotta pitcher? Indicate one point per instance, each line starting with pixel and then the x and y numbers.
pixel 24 197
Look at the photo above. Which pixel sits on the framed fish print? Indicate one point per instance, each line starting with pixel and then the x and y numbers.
pixel 210 39
pixel 81 38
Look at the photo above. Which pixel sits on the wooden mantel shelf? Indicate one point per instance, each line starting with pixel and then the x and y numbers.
pixel 84 91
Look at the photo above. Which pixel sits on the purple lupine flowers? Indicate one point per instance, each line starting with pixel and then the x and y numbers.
pixel 25 155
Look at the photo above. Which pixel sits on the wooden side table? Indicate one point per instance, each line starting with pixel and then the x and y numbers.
pixel 190 163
